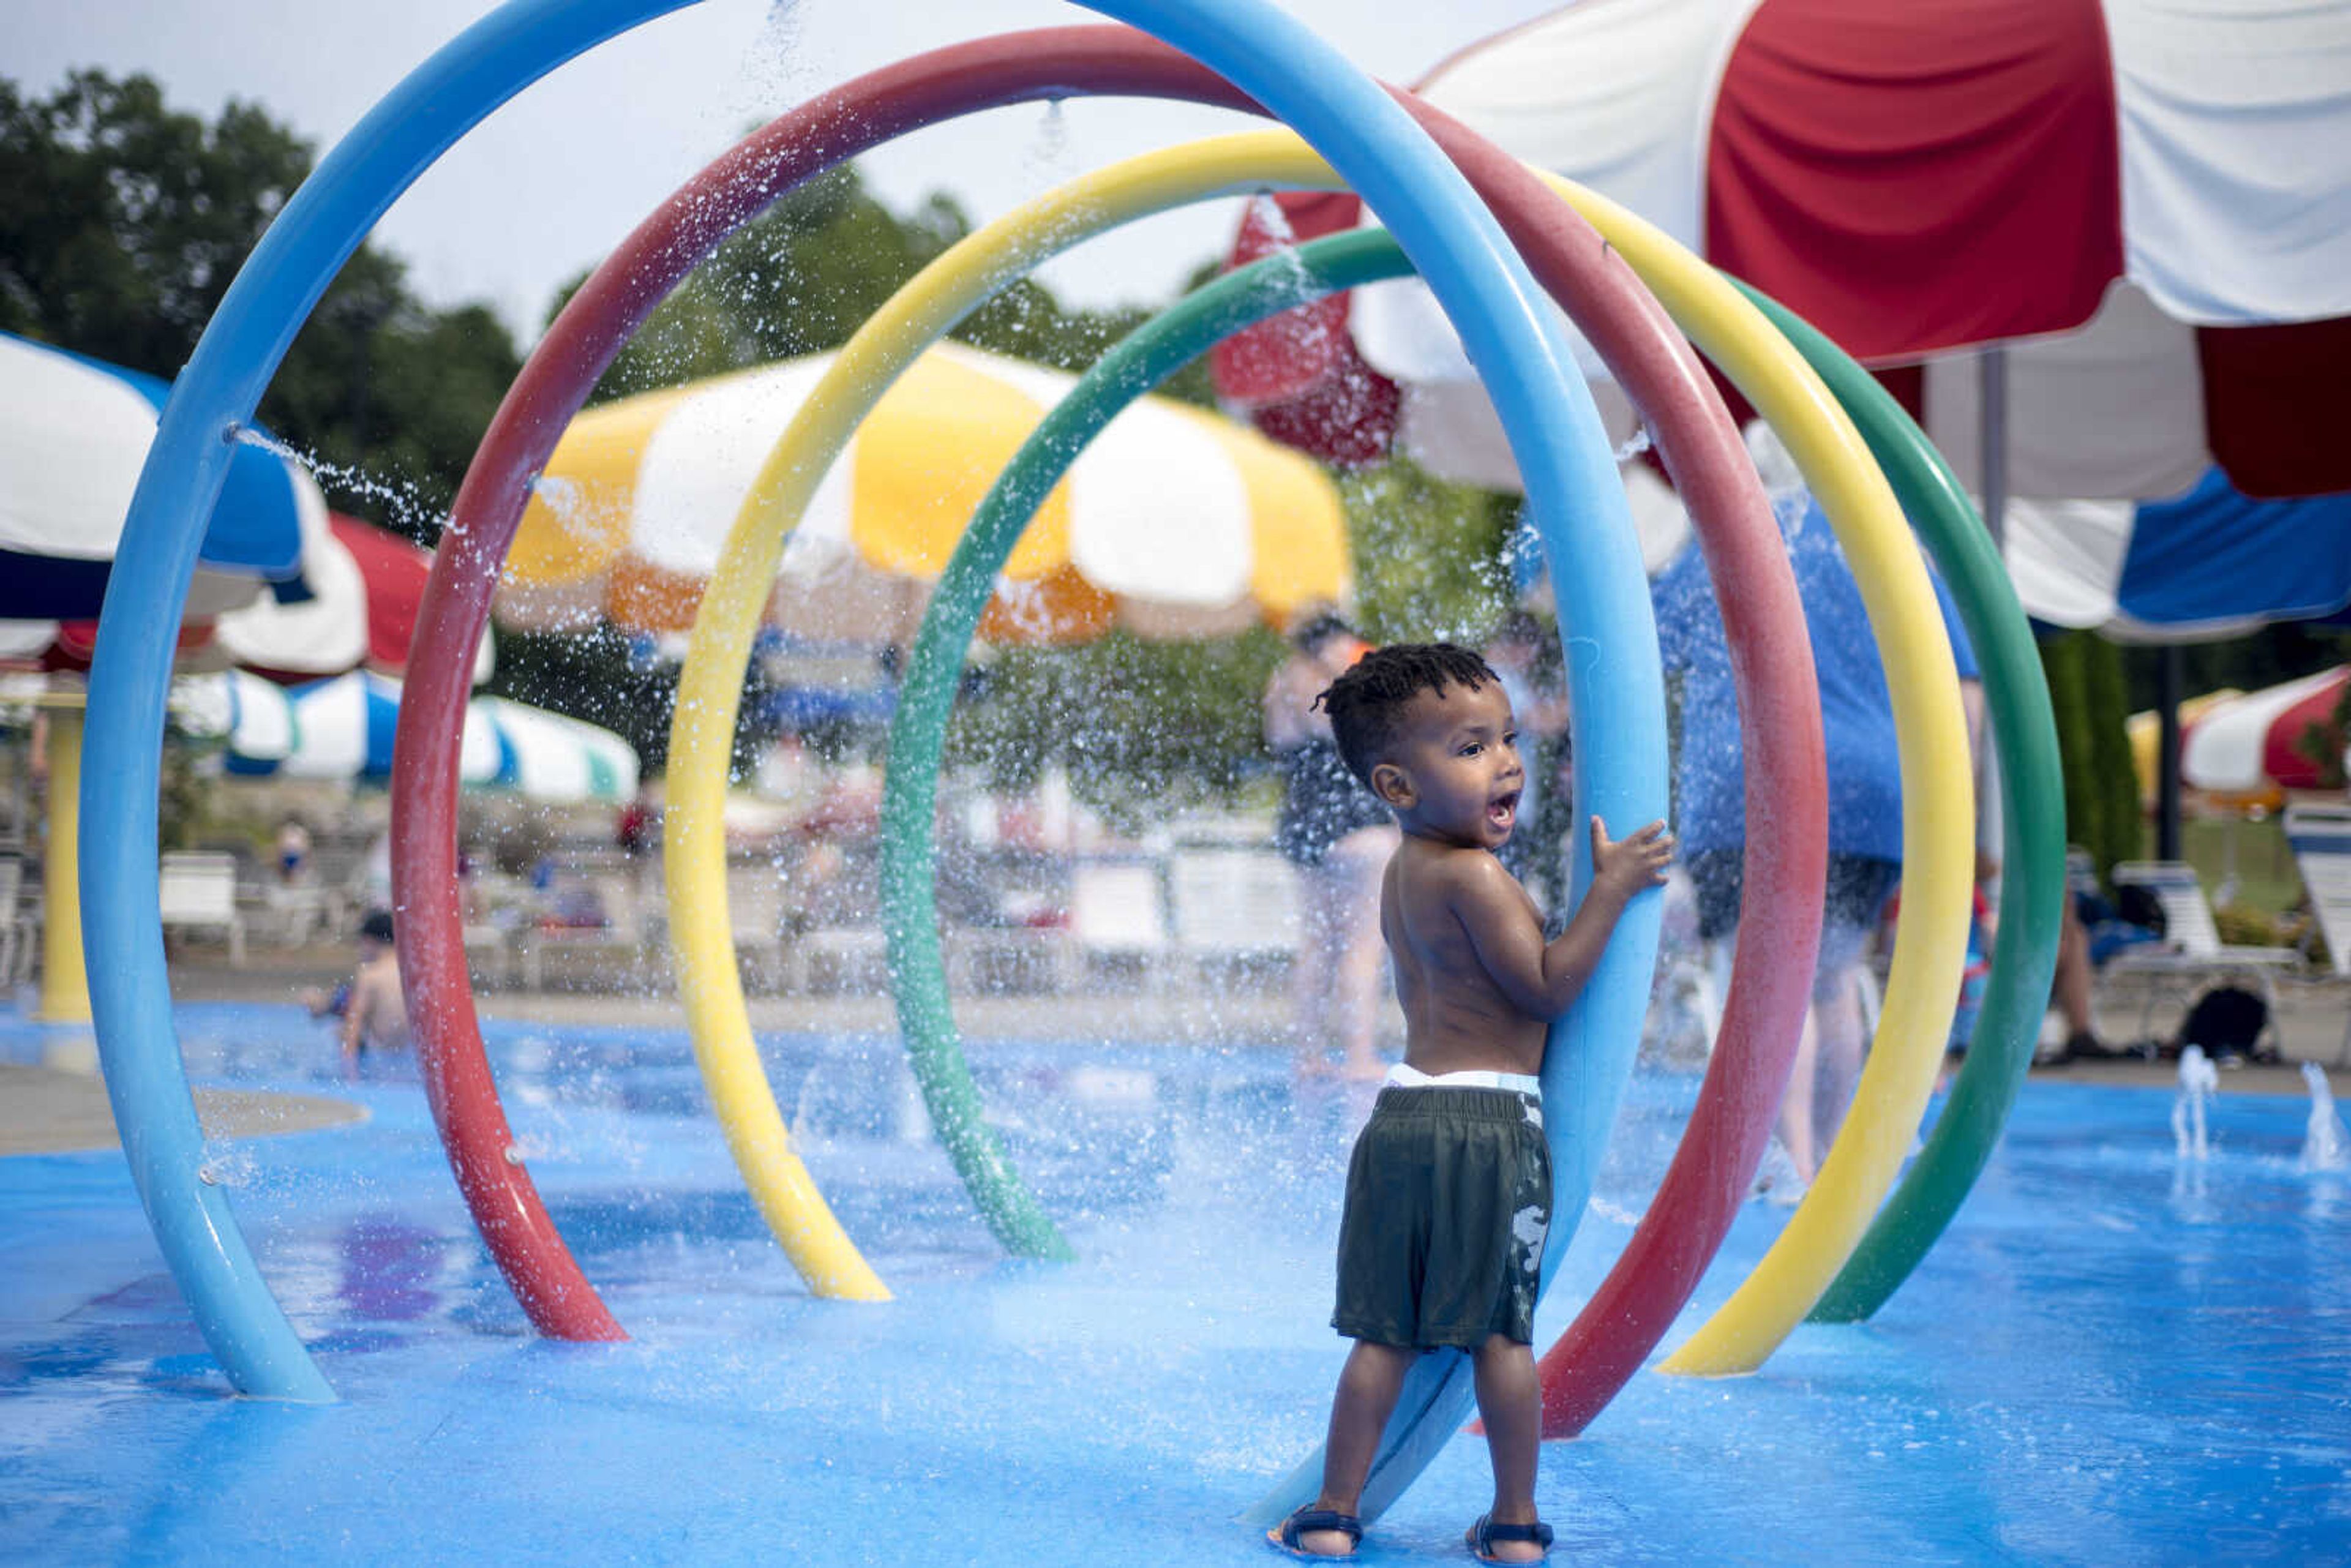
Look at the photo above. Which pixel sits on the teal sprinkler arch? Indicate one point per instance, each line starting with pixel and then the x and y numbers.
pixel 2024 744
pixel 1438 1396
pixel 926 693
pixel 2016 698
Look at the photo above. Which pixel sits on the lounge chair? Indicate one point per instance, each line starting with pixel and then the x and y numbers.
pixel 1118 914
pixel 592 919
pixel 198 889
pixel 2191 953
pixel 2321 839
pixel 757 904
pixel 12 879
pixel 1236 907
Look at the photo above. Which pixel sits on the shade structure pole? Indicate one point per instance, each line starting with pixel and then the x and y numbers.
pixel 1993 370
pixel 65 981
pixel 2170 675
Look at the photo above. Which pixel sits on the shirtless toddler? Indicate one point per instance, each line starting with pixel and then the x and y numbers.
pixel 1448 1192
pixel 370 1007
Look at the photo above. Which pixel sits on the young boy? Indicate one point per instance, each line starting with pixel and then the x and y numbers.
pixel 1449 1194
pixel 371 1005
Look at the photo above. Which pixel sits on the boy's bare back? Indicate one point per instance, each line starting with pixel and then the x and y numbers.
pixel 1457 1017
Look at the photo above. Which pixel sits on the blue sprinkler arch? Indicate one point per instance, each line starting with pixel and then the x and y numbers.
pixel 1452 239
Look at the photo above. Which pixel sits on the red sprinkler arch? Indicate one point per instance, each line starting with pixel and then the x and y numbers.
pixel 1770 660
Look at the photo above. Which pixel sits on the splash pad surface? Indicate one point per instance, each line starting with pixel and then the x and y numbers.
pixel 2113 1355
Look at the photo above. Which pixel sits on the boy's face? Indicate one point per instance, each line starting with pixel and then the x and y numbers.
pixel 1455 773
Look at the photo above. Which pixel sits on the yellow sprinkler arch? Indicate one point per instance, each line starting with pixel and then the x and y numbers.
pixel 1930 940
pixel 1938 834
pixel 702 734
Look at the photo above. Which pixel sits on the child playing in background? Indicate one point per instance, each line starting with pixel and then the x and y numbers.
pixel 1448 1192
pixel 371 1005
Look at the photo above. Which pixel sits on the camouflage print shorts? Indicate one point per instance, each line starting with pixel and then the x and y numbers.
pixel 1448 1199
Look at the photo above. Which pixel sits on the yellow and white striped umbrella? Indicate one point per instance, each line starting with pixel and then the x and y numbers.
pixel 1174 522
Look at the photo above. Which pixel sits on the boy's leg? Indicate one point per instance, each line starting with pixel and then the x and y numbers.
pixel 1509 1401
pixel 1858 888
pixel 1368 1387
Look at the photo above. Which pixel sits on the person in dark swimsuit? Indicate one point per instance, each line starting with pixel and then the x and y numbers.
pixel 1339 836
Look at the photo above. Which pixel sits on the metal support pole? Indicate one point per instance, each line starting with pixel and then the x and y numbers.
pixel 1991 456
pixel 2171 674
pixel 1993 452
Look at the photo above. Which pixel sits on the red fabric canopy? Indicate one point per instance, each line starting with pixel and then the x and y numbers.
pixel 76 642
pixel 1299 374
pixel 395 572
pixel 1892 172
pixel 2286 750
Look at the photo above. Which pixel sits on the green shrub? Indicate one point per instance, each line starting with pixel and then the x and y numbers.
pixel 2240 927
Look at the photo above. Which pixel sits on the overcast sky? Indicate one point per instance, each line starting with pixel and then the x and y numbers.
pixel 543 189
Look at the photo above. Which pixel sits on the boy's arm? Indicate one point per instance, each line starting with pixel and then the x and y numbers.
pixel 1542 979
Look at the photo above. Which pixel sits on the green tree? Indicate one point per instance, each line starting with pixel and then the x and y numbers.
pixel 1139 727
pixel 802 277
pixel 2088 694
pixel 1429 555
pixel 2267 657
pixel 122 222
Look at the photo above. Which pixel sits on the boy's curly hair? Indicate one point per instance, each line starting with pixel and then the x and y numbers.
pixel 1367 702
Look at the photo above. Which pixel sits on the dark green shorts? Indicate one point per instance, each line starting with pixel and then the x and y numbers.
pixel 1448 1199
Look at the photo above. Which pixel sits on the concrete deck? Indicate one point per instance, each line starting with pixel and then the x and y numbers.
pixel 61 1107
pixel 51 1111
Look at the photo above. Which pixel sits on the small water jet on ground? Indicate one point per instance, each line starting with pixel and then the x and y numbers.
pixel 2199 1079
pixel 2325 1147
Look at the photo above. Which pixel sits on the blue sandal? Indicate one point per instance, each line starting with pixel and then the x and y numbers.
pixel 1310 1519
pixel 1485 1533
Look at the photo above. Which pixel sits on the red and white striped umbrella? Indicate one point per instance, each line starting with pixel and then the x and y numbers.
pixel 2272 738
pixel 361 586
pixel 1917 180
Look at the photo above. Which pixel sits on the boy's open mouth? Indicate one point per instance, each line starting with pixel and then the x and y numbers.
pixel 1503 811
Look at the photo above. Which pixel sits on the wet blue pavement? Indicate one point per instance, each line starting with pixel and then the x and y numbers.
pixel 2113 1358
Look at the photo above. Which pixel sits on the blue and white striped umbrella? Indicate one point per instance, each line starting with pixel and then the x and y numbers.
pixel 2205 564
pixel 343 729
pixel 2209 563
pixel 74 433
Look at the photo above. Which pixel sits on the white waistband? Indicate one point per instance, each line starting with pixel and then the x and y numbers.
pixel 1404 1076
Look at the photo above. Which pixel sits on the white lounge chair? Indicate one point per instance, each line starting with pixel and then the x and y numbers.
pixel 2191 952
pixel 1235 906
pixel 198 889
pixel 2321 839
pixel 12 881
pixel 1117 914
pixel 612 943
pixel 755 907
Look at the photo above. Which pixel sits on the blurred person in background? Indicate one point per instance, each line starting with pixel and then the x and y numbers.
pixel 1865 791
pixel 1339 836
